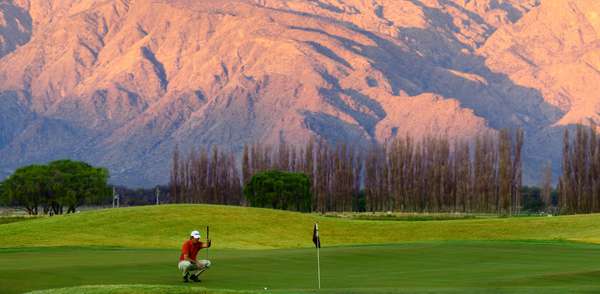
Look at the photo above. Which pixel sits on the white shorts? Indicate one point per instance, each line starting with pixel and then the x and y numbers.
pixel 188 267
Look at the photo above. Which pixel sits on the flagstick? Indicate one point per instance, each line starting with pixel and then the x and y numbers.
pixel 207 238
pixel 319 267
pixel 317 240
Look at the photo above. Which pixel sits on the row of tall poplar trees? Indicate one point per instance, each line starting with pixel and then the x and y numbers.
pixel 579 184
pixel 205 176
pixel 434 174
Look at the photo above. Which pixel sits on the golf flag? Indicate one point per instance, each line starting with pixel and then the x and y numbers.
pixel 316 239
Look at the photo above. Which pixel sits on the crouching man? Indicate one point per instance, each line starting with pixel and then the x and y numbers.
pixel 188 264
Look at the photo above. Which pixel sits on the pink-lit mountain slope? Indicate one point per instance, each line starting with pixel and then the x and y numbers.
pixel 119 83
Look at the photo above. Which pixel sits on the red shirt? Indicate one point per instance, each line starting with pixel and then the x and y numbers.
pixel 191 249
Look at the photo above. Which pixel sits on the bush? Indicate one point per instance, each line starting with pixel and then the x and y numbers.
pixel 532 199
pixel 279 190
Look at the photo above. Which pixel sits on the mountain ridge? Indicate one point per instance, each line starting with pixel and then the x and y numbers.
pixel 119 83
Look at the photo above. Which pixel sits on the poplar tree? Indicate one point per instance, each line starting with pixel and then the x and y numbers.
pixel 246 165
pixel 517 170
pixel 547 186
pixel 566 180
pixel 505 175
pixel 175 176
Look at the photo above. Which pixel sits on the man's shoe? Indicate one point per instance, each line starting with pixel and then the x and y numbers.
pixel 185 277
pixel 195 278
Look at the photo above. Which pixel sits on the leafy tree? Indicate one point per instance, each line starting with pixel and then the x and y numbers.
pixel 62 183
pixel 279 190
pixel 75 183
pixel 27 187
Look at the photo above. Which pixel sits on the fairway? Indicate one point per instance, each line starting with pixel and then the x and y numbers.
pixel 425 266
pixel 252 228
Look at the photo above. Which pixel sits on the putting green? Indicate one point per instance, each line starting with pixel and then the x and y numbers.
pixel 457 266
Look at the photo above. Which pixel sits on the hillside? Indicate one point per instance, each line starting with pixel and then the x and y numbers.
pixel 119 83
pixel 251 228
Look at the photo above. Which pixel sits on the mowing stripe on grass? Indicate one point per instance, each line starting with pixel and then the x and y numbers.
pixel 461 266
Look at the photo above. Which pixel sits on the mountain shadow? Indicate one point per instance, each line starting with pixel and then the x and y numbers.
pixel 17 28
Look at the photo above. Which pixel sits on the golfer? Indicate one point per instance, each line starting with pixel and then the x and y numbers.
pixel 188 264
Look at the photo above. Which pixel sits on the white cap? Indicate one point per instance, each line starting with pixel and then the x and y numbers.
pixel 195 234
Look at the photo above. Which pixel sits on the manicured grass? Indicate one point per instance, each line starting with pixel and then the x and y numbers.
pixel 137 289
pixel 455 267
pixel 14 219
pixel 411 217
pixel 249 228
pixel 135 250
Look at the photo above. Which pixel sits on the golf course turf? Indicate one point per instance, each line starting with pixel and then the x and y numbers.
pixel 135 250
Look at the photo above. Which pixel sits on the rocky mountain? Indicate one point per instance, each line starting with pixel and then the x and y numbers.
pixel 119 83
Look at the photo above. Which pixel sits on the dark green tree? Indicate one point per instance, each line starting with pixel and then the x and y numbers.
pixel 279 190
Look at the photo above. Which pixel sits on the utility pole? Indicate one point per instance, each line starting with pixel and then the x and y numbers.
pixel 157 195
pixel 116 198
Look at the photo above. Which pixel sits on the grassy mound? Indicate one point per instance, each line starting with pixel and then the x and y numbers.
pixel 250 228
